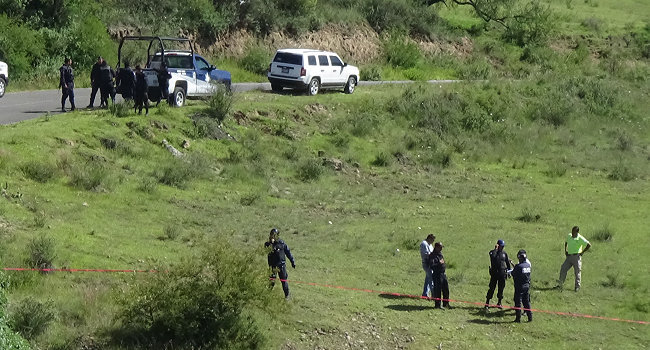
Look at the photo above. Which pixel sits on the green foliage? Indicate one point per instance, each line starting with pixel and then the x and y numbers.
pixel 41 252
pixel 622 172
pixel 527 215
pixel 310 170
pixel 31 317
pixel 179 171
pixel 90 175
pixel 120 110
pixel 199 303
pixel 371 73
pixel 383 159
pixel 256 61
pixel 399 51
pixel 219 104
pixel 20 46
pixel 405 16
pixel 603 234
pixel 41 171
pixel 9 339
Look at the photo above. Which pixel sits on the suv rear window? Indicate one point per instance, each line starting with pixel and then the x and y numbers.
pixel 174 61
pixel 290 58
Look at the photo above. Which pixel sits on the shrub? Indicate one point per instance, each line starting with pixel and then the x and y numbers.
pixel 255 61
pixel 120 110
pixel 170 232
pixel 593 24
pixel 199 303
pixel 40 171
pixel 20 46
pixel 148 185
pixel 556 170
pixel 624 141
pixel 249 199
pixel 179 171
pixel 603 235
pixel 207 127
pixel 8 338
pixel 527 215
pixel 41 252
pixel 371 73
pixel 383 159
pixel 30 317
pixel 612 281
pixel 399 51
pixel 622 172
pixel 92 175
pixel 310 170
pixel 219 103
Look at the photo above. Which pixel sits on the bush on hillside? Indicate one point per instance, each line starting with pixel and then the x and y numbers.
pixel 200 303
pixel 20 46
pixel 219 104
pixel 31 317
pixel 40 171
pixel 401 52
pixel 41 252
pixel 9 339
pixel 256 61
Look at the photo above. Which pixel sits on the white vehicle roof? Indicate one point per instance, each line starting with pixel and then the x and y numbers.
pixel 175 53
pixel 306 51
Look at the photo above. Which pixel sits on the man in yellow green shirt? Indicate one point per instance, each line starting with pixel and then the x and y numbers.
pixel 574 246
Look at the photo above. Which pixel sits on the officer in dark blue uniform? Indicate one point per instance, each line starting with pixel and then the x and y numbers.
pixel 66 83
pixel 278 251
pixel 521 277
pixel 499 266
pixel 440 284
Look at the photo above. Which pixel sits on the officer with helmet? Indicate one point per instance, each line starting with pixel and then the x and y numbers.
pixel 278 252
pixel 521 277
pixel 499 266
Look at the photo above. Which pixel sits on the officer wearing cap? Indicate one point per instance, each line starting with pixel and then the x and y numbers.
pixel 278 252
pixel 521 277
pixel 499 266
pixel 440 284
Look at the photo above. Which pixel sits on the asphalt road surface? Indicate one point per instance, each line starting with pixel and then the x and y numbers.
pixel 19 106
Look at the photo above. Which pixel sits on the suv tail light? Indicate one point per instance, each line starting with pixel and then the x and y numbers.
pixel 303 71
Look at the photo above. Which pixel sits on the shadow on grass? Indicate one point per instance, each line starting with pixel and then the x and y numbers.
pixel 487 322
pixel 400 296
pixel 545 289
pixel 409 307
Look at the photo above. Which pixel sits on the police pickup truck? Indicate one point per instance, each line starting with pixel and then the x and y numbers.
pixel 191 75
pixel 4 77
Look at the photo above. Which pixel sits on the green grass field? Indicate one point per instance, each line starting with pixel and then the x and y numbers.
pixel 106 205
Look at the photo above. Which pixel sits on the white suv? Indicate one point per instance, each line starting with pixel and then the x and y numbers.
pixel 311 70
pixel 4 77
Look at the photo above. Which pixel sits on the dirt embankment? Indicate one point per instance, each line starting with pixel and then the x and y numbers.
pixel 358 44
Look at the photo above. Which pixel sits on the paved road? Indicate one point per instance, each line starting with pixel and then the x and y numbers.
pixel 19 106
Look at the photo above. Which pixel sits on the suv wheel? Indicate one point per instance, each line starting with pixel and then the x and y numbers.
pixel 314 86
pixel 349 87
pixel 3 86
pixel 178 98
pixel 276 87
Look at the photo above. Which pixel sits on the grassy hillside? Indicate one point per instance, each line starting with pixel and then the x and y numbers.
pixel 469 163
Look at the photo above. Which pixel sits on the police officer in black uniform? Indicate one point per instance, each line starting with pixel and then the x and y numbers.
pixel 499 266
pixel 140 91
pixel 125 81
pixel 94 80
pixel 66 83
pixel 106 85
pixel 278 250
pixel 521 277
pixel 163 83
pixel 440 284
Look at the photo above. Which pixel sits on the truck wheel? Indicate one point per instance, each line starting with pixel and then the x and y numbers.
pixel 3 86
pixel 276 87
pixel 349 87
pixel 178 97
pixel 313 87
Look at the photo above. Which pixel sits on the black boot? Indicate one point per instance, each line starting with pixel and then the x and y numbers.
pixel 438 305
pixel 499 304
pixel 530 316
pixel 487 304
pixel 518 316
pixel 446 305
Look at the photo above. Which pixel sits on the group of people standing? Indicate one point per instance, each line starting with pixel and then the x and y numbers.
pixel 501 267
pixel 132 85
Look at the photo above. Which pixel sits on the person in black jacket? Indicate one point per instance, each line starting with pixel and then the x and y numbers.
pixel 140 91
pixel 521 277
pixel 440 284
pixel 163 83
pixel 66 83
pixel 94 80
pixel 125 81
pixel 106 83
pixel 499 266
pixel 278 252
